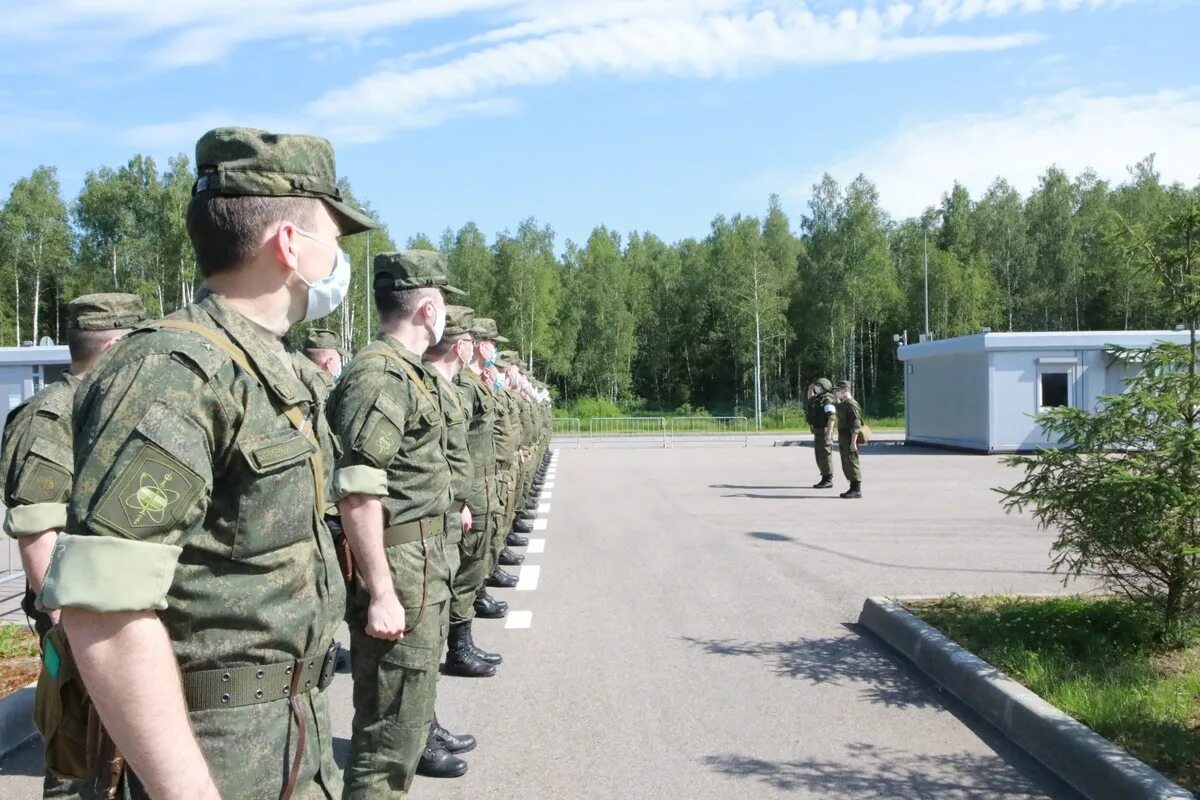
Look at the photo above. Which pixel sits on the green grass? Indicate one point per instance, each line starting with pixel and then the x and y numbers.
pixel 17 641
pixel 1106 662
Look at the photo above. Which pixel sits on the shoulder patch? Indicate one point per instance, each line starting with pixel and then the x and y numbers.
pixel 46 474
pixel 153 493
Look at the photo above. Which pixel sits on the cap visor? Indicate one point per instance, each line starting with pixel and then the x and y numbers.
pixel 501 339
pixel 454 290
pixel 351 220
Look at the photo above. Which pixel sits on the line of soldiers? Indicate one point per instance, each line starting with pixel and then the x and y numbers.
pixel 828 409
pixel 176 499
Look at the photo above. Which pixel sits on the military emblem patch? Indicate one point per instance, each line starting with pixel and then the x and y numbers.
pixel 381 440
pixel 43 482
pixel 153 493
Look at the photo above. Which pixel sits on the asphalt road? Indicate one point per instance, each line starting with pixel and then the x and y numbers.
pixel 692 635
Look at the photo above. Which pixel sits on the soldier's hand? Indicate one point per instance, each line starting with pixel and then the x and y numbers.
pixel 854 447
pixel 468 519
pixel 385 618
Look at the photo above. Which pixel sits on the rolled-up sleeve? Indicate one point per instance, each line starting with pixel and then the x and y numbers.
pixel 143 481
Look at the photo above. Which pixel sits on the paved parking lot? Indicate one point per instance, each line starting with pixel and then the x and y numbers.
pixel 690 634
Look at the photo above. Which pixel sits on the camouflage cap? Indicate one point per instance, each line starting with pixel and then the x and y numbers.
pixel 322 339
pixel 105 312
pixel 844 385
pixel 824 383
pixel 502 362
pixel 485 328
pixel 513 357
pixel 459 320
pixel 252 162
pixel 413 269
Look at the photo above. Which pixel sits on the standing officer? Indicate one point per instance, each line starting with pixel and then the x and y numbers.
pixel 821 412
pixel 395 490
pixel 38 466
pixel 324 348
pixel 448 358
pixel 849 419
pixel 488 440
pixel 198 581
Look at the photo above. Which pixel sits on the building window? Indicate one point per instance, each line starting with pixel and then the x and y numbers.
pixel 1055 388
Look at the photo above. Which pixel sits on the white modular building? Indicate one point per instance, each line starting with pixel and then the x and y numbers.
pixel 25 371
pixel 981 392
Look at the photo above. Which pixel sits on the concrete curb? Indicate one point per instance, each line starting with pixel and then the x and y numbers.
pixel 16 719
pixel 1087 761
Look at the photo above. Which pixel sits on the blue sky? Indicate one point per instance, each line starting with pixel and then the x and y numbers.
pixel 636 114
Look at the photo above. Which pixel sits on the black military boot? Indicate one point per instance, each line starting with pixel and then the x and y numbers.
pixel 516 540
pixel 526 515
pixel 855 492
pixel 495 659
pixel 499 579
pixel 826 482
pixel 461 659
pixel 453 744
pixel 531 504
pixel 502 604
pixel 488 607
pixel 522 526
pixel 437 762
pixel 510 559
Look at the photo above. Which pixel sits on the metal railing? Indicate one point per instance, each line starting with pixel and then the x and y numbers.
pixel 628 430
pixel 686 430
pixel 568 430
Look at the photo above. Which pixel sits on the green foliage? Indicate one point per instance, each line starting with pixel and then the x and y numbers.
pixel 625 316
pixel 17 641
pixel 1109 663
pixel 1123 492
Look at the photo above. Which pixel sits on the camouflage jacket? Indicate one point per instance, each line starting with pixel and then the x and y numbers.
pixel 392 431
pixel 37 461
pixel 457 418
pixel 849 418
pixel 196 497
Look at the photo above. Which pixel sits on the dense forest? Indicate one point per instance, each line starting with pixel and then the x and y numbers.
pixel 647 323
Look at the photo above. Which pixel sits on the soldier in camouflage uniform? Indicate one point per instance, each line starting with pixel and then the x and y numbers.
pixel 38 466
pixel 508 469
pixel 198 581
pixel 850 422
pixel 449 357
pixel 323 348
pixel 394 482
pixel 487 440
pixel 821 413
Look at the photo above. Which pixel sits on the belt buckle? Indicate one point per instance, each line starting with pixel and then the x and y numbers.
pixel 329 666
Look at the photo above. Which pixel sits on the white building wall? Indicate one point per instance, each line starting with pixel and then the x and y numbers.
pixel 946 401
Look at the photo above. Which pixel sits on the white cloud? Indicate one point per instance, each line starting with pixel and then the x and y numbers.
pixel 694 41
pixel 1075 130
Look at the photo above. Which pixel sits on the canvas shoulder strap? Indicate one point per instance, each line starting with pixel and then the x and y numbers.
pixel 317 461
pixel 409 371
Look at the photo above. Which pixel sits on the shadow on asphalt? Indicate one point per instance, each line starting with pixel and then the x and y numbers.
pixel 735 486
pixel 768 536
pixel 849 659
pixel 869 772
pixel 341 751
pixel 28 759
pixel 785 496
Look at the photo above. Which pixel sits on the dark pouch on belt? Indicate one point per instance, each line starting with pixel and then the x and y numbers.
pixel 345 556
pixel 60 709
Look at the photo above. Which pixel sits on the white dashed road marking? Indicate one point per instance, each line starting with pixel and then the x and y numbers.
pixel 540 524
pixel 548 485
pixel 544 508
pixel 518 620
pixel 536 546
pixel 529 578
pixel 547 495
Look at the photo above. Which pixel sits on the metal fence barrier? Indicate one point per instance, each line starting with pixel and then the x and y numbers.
pixel 568 430
pixel 628 430
pixel 685 430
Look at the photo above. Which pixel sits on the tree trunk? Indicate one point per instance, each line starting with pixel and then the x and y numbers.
pixel 37 301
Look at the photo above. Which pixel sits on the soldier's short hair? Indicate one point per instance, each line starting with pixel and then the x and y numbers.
pixel 396 304
pixel 87 346
pixel 227 230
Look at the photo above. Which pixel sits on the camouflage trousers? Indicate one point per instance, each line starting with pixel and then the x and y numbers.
pixel 249 751
pixel 395 687
pixel 474 561
pixel 850 465
pixel 823 445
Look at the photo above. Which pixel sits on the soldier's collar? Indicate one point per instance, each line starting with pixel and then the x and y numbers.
pixel 284 383
pixel 404 352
